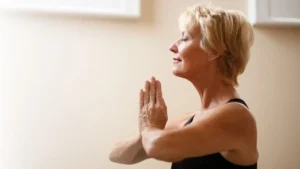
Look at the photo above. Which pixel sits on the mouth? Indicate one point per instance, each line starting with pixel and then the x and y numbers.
pixel 176 60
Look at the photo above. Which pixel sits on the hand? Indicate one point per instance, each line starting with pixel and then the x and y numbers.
pixel 153 110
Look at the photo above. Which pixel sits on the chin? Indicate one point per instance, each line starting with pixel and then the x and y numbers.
pixel 178 73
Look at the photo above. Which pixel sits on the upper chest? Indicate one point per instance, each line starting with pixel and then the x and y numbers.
pixel 181 121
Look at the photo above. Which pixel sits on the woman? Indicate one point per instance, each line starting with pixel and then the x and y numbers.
pixel 212 51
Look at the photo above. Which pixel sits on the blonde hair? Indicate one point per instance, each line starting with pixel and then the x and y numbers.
pixel 223 32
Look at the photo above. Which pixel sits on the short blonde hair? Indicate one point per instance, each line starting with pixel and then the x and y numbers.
pixel 223 32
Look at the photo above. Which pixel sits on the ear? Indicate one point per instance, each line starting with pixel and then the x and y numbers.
pixel 213 56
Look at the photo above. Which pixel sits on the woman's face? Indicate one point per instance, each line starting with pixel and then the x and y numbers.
pixel 190 59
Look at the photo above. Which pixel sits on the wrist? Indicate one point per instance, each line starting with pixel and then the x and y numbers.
pixel 149 129
pixel 152 127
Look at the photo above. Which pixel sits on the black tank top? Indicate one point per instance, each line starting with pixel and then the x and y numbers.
pixel 212 161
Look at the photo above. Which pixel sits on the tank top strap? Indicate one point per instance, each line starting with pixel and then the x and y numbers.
pixel 231 100
pixel 238 100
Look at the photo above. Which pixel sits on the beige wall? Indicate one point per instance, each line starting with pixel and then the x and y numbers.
pixel 67 80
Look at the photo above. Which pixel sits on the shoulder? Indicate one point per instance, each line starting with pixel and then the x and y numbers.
pixel 237 116
pixel 232 112
pixel 237 121
pixel 233 121
pixel 242 124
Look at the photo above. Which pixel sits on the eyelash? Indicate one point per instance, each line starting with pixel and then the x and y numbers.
pixel 184 39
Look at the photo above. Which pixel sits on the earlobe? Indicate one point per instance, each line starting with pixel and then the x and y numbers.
pixel 212 56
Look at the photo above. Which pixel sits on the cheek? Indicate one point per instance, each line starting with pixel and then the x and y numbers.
pixel 193 55
pixel 185 51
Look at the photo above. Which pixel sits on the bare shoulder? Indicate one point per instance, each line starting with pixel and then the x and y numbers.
pixel 239 115
pixel 242 124
pixel 236 118
pixel 237 109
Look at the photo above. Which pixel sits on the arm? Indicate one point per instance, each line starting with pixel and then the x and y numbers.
pixel 128 151
pixel 220 131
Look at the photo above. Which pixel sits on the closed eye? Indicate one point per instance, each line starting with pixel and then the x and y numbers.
pixel 184 39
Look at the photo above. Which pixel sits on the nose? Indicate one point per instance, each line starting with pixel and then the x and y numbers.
pixel 174 48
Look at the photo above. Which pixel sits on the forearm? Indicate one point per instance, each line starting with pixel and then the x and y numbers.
pixel 150 138
pixel 128 152
pixel 140 156
pixel 159 144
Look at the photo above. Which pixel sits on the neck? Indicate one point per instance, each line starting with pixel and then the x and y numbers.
pixel 213 92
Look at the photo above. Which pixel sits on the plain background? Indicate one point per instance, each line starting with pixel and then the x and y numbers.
pixel 69 86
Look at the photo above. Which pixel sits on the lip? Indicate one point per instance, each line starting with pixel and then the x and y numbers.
pixel 177 60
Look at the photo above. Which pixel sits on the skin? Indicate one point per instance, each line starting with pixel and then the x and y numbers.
pixel 217 127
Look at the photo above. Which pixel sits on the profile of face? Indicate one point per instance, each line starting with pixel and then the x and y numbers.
pixel 189 60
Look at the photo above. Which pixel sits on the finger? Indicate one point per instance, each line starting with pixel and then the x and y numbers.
pixel 146 93
pixel 163 104
pixel 159 99
pixel 152 91
pixel 141 99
